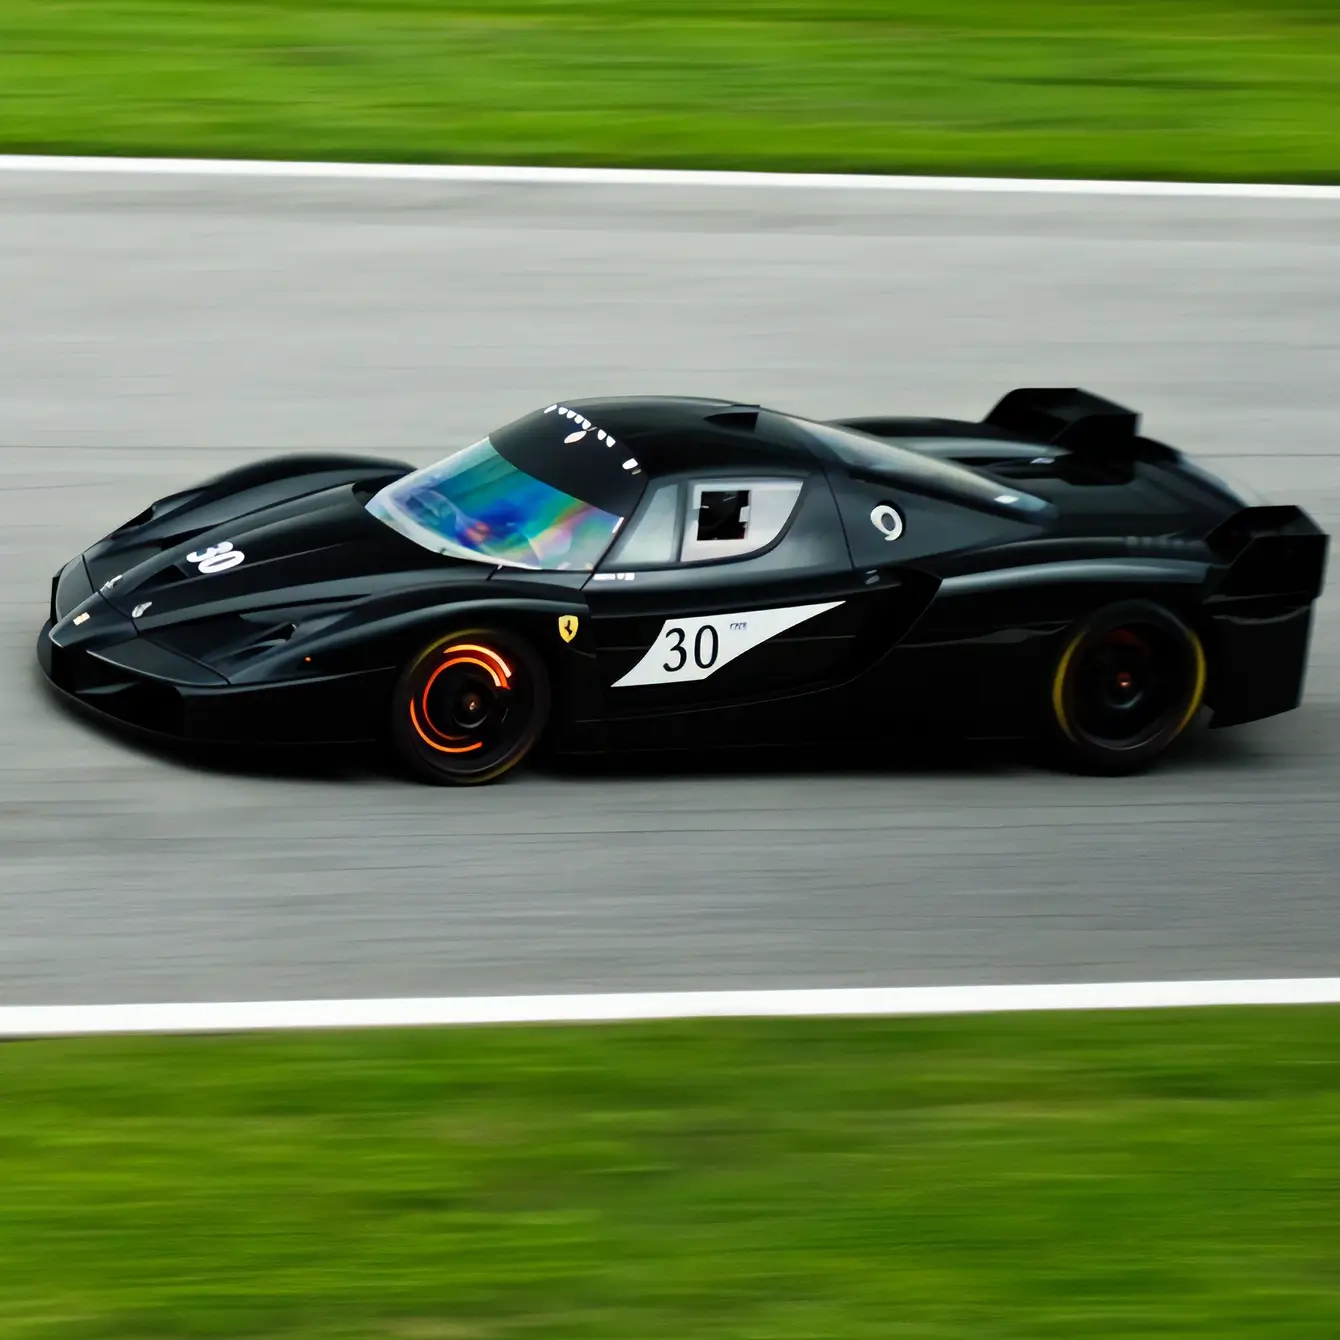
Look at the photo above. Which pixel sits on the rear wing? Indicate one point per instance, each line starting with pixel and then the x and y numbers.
pixel 1076 420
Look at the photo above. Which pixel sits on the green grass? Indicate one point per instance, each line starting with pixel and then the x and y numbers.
pixel 1157 1175
pixel 1158 88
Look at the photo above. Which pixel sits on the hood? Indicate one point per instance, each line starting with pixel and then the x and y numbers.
pixel 322 546
pixel 232 592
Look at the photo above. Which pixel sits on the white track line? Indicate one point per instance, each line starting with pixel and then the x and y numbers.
pixel 34 1021
pixel 566 176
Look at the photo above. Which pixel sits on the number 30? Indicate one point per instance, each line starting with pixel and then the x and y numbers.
pixel 706 648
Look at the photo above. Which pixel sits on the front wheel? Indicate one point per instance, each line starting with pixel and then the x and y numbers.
pixel 1128 682
pixel 470 707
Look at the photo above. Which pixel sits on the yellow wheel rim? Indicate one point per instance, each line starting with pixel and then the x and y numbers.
pixel 1068 655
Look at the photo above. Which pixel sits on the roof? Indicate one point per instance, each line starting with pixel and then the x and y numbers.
pixel 672 433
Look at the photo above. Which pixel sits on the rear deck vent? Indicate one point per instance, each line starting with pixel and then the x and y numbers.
pixel 1082 471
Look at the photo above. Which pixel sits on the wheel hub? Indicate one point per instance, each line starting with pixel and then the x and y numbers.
pixel 1126 686
pixel 471 708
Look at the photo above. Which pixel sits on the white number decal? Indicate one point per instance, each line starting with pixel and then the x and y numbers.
pixel 886 520
pixel 217 558
pixel 690 649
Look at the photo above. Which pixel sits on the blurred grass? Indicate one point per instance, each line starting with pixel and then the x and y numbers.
pixel 1151 88
pixel 1013 1178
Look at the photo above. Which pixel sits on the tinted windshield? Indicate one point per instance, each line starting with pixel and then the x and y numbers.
pixel 478 505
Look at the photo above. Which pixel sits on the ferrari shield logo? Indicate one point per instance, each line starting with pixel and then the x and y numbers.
pixel 567 626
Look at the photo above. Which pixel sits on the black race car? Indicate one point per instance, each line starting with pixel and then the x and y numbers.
pixel 648 574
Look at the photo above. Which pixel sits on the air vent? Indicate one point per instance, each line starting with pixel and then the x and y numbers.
pixel 743 419
pixel 138 519
pixel 271 639
pixel 1081 471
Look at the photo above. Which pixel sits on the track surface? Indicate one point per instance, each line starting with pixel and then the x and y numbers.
pixel 153 331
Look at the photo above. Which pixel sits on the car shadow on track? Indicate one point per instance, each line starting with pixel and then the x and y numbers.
pixel 1201 749
pixel 353 764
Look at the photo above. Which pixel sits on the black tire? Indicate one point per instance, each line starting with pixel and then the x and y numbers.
pixel 1128 682
pixel 469 707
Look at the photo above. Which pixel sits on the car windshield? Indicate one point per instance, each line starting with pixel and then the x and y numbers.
pixel 478 505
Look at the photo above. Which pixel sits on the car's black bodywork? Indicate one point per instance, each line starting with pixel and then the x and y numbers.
pixel 947 561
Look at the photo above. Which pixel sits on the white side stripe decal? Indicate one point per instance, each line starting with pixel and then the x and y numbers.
pixel 689 649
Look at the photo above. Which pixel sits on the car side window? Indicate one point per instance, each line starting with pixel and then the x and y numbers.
pixel 731 518
pixel 702 520
pixel 652 538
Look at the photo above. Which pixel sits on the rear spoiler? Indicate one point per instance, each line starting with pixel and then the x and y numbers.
pixel 1067 417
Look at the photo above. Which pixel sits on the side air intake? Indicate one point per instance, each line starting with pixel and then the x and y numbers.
pixel 1067 417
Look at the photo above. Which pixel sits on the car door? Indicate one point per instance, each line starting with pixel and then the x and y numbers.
pixel 730 606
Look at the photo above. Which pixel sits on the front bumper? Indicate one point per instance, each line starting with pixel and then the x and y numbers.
pixel 338 709
pixel 93 653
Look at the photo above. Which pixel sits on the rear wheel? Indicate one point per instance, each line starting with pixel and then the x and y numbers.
pixel 1129 681
pixel 470 707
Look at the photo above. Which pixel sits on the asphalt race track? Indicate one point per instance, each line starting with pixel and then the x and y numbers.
pixel 153 331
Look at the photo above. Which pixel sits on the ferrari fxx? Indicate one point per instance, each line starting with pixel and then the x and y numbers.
pixel 670 573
